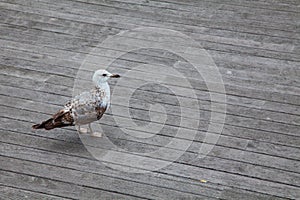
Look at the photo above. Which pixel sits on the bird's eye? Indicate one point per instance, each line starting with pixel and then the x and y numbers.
pixel 104 74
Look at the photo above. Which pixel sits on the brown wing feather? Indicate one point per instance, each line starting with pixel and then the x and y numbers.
pixel 60 119
pixel 67 117
pixel 100 111
pixel 64 117
pixel 58 114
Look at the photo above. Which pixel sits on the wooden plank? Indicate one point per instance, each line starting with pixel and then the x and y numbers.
pixel 233 120
pixel 94 179
pixel 56 80
pixel 266 5
pixel 128 24
pixel 138 103
pixel 247 92
pixel 58 90
pixel 107 52
pixel 267 79
pixel 214 177
pixel 256 46
pixel 224 47
pixel 203 11
pixel 49 186
pixel 233 194
pixel 228 141
pixel 69 146
pixel 75 152
pixel 12 193
pixel 112 7
pixel 260 141
pixel 225 15
pixel 225 141
pixel 222 5
pixel 229 153
pixel 37 21
pixel 258 65
pixel 137 108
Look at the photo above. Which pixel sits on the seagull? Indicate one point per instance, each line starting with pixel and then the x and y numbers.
pixel 84 108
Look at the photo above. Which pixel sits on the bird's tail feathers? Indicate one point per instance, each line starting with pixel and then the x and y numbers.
pixel 48 124
pixel 60 119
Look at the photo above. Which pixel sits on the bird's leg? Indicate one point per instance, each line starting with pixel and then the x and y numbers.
pixel 82 130
pixel 91 131
pixel 94 134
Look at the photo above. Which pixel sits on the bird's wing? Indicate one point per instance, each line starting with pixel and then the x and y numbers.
pixel 85 107
pixel 85 100
pixel 88 103
pixel 64 116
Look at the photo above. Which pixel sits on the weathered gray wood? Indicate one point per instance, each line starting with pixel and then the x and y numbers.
pixel 114 7
pixel 224 141
pixel 92 176
pixel 37 21
pixel 256 142
pixel 92 180
pixel 206 12
pixel 41 85
pixel 128 22
pixel 199 84
pixel 233 167
pixel 50 186
pixel 255 44
pixel 265 5
pixel 230 130
pixel 240 78
pixel 219 151
pixel 53 110
pixel 231 89
pixel 172 109
pixel 233 194
pixel 258 65
pixel 189 171
pixel 237 121
pixel 91 165
pixel 209 45
pixel 12 193
pixel 224 5
pixel 234 100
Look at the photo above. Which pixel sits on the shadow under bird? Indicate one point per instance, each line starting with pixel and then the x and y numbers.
pixel 85 108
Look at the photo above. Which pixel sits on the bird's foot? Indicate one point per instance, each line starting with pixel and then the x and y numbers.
pixel 83 130
pixel 96 134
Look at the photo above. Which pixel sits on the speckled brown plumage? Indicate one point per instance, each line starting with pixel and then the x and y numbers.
pixel 88 106
pixel 84 108
pixel 60 119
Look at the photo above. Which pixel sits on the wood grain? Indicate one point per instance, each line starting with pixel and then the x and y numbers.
pixel 254 44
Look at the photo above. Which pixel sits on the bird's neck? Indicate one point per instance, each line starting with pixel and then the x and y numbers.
pixel 105 87
pixel 106 99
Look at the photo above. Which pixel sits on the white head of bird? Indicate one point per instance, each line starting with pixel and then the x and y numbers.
pixel 101 76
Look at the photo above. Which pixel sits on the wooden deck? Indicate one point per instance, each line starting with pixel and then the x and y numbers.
pixel 255 45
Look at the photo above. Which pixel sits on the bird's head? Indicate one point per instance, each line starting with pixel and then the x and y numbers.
pixel 101 76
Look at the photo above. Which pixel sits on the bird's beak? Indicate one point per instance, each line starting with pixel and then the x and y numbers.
pixel 115 76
